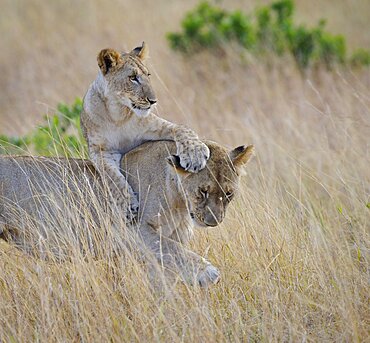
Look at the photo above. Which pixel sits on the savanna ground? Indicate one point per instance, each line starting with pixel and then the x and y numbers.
pixel 294 248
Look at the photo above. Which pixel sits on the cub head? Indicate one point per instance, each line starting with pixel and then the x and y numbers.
pixel 210 191
pixel 127 79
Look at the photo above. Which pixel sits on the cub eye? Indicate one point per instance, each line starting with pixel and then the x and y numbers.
pixel 149 74
pixel 134 79
pixel 204 193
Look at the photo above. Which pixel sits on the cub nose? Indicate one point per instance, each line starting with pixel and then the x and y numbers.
pixel 151 101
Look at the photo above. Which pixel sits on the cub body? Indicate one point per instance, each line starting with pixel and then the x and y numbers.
pixel 117 117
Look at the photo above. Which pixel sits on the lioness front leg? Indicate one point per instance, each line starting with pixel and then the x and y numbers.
pixel 175 257
pixel 108 163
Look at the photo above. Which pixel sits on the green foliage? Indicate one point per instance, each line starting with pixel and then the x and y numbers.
pixel 209 26
pixel 60 135
pixel 360 57
pixel 270 29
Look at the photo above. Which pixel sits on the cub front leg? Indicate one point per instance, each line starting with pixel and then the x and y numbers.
pixel 175 257
pixel 108 164
pixel 193 153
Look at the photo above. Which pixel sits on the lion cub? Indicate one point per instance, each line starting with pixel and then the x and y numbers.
pixel 117 117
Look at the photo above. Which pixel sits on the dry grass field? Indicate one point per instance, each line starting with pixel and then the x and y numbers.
pixel 294 247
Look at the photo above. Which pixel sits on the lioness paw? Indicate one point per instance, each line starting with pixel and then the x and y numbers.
pixel 193 155
pixel 132 209
pixel 209 276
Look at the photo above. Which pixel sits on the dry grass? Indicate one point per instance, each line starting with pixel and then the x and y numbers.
pixel 294 249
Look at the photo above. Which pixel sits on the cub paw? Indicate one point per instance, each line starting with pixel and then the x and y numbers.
pixel 209 276
pixel 193 156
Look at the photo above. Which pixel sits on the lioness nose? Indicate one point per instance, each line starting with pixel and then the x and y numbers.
pixel 213 216
pixel 211 220
pixel 152 101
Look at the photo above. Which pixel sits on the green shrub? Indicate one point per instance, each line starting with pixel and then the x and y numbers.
pixel 60 135
pixel 360 57
pixel 208 26
pixel 302 45
pixel 270 29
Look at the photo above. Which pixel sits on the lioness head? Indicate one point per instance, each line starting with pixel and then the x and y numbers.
pixel 210 191
pixel 127 79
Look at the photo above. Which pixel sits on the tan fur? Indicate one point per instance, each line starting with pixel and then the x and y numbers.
pixel 117 117
pixel 172 200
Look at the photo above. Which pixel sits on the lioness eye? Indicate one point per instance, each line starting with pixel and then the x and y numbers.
pixel 229 195
pixel 204 193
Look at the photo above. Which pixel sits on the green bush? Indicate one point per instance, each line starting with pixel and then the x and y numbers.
pixel 360 57
pixel 208 26
pixel 270 29
pixel 60 135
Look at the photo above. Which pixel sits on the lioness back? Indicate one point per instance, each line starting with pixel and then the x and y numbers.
pixel 42 194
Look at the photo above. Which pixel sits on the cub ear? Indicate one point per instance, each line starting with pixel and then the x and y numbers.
pixel 241 155
pixel 107 59
pixel 174 162
pixel 141 51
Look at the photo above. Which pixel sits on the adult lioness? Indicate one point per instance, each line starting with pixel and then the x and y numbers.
pixel 117 117
pixel 172 200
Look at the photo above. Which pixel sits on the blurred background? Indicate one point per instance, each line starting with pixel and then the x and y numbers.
pixel 49 56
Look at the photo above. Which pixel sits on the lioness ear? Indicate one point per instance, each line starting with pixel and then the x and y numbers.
pixel 107 59
pixel 174 161
pixel 241 155
pixel 141 51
